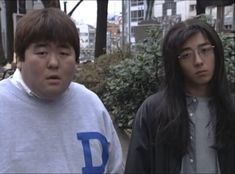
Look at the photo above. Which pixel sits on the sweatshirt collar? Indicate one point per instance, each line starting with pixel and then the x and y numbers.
pixel 18 81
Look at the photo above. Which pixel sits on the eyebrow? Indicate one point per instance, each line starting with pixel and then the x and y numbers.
pixel 45 44
pixel 40 44
pixel 200 45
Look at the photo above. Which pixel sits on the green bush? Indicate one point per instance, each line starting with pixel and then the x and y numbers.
pixel 3 61
pixel 123 81
pixel 92 74
pixel 133 80
pixel 229 54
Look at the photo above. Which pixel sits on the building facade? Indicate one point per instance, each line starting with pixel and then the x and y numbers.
pixel 163 11
pixel 87 41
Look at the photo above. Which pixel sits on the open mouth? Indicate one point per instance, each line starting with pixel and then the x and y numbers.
pixel 55 77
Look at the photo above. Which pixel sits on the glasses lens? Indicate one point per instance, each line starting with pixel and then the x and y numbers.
pixel 205 50
pixel 188 54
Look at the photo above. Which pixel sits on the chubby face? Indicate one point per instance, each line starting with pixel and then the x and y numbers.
pixel 197 62
pixel 48 68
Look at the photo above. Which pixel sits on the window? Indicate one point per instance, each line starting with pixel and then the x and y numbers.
pixel 192 7
pixel 137 2
pixel 137 15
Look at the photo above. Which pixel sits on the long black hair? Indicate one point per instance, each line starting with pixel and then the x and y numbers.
pixel 172 121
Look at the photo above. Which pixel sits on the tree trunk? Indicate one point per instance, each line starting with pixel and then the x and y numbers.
pixel 11 7
pixel 101 27
pixel 51 3
pixel 202 4
pixel 149 11
pixel 2 55
pixel 199 8
pixel 3 60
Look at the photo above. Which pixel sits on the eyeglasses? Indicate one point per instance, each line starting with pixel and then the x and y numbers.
pixel 203 51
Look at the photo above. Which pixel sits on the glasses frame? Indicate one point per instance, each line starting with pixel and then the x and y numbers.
pixel 194 50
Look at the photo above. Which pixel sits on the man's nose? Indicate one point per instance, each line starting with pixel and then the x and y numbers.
pixel 198 61
pixel 53 61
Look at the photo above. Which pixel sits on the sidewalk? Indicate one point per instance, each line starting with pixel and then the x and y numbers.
pixel 124 140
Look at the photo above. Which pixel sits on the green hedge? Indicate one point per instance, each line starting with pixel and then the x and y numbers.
pixel 123 81
pixel 133 80
pixel 229 53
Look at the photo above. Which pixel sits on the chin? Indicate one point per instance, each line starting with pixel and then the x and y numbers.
pixel 51 95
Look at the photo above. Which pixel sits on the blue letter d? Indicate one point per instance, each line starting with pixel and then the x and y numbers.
pixel 89 168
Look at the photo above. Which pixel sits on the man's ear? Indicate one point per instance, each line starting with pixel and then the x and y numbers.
pixel 18 63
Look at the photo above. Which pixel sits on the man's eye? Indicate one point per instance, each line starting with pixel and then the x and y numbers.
pixel 205 50
pixel 41 53
pixel 64 53
pixel 185 55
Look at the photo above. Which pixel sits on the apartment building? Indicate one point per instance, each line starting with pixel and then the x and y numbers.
pixel 87 41
pixel 133 13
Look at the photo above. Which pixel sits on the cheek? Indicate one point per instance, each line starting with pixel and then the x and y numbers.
pixel 69 67
pixel 187 71
pixel 33 65
pixel 213 65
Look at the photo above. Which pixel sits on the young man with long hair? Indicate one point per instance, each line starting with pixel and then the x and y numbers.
pixel 188 126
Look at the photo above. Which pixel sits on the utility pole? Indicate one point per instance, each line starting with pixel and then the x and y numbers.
pixel 65 6
pixel 233 25
pixel 220 18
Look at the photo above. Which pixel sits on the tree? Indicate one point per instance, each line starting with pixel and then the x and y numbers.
pixel 2 55
pixel 202 4
pixel 148 14
pixel 11 7
pixel 51 3
pixel 101 27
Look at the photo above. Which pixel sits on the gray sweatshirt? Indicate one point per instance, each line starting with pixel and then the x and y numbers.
pixel 73 134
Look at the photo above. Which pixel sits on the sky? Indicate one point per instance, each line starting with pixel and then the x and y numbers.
pixel 86 11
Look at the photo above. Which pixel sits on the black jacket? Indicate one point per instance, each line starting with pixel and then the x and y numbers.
pixel 146 156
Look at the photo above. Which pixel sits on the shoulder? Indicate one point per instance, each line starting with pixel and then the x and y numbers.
pixel 4 82
pixel 80 92
pixel 5 85
pixel 147 111
pixel 152 101
pixel 6 92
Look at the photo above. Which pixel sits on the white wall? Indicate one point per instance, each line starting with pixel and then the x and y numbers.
pixel 183 9
pixel 157 8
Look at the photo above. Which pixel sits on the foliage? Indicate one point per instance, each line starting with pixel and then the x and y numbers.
pixel 229 54
pixel 133 80
pixel 124 81
pixel 3 61
pixel 92 74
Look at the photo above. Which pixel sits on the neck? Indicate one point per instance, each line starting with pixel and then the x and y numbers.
pixel 199 91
